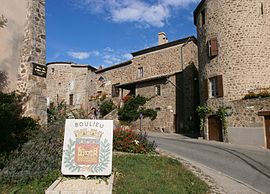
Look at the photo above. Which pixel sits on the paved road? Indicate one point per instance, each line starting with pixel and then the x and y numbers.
pixel 247 164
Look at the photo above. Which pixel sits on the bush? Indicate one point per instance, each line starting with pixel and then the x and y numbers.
pixel 129 141
pixel 36 159
pixel 106 107
pixel 129 112
pixel 14 129
pixel 252 95
pixel 57 112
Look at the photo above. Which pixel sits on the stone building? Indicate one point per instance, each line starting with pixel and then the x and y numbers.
pixel 22 47
pixel 166 73
pixel 234 51
pixel 70 83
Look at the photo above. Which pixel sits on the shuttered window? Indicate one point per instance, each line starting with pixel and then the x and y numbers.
pixel 216 87
pixel 212 47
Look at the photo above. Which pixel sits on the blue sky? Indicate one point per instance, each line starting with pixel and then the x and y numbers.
pixel 105 32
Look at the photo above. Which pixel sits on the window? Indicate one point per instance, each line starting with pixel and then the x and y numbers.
pixel 213 87
pixel 52 70
pixel 71 99
pixel 157 90
pixel 262 8
pixel 115 90
pixel 203 17
pixel 140 72
pixel 216 87
pixel 212 47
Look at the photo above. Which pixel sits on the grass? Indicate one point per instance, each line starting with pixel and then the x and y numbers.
pixel 135 173
pixel 154 174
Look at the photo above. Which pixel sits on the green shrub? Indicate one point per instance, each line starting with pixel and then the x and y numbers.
pixel 14 129
pixel 129 112
pixel 106 107
pixel 36 159
pixel 252 95
pixel 130 141
pixel 151 113
pixel 57 112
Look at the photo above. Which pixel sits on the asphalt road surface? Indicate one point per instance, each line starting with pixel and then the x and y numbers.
pixel 248 164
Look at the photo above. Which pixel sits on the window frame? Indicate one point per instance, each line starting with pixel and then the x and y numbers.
pixel 140 72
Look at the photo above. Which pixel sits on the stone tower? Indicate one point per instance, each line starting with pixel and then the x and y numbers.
pixel 234 49
pixel 234 59
pixel 31 86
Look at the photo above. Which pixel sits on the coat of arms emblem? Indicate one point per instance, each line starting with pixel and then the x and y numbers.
pixel 87 147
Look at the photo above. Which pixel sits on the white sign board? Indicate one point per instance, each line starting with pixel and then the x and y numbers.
pixel 87 147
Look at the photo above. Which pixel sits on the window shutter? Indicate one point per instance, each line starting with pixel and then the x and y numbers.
pixel 220 86
pixel 205 89
pixel 213 47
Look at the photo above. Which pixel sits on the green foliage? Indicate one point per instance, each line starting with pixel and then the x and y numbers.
pixel 252 95
pixel 36 159
pixel 130 141
pixel 57 112
pixel 14 129
pixel 202 112
pixel 222 113
pixel 154 174
pixel 129 112
pixel 151 113
pixel 106 107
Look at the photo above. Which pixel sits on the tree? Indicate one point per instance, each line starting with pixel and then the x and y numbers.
pixel 3 21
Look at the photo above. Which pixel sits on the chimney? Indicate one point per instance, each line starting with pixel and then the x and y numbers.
pixel 162 38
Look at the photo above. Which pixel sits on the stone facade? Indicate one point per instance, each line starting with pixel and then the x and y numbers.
pixel 233 42
pixel 172 67
pixel 160 66
pixel 70 83
pixel 33 88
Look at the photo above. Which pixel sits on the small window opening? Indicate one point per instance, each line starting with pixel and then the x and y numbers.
pixel 52 69
pixel 157 90
pixel 71 99
pixel 262 8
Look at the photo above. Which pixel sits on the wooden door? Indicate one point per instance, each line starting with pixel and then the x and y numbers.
pixel 267 131
pixel 215 128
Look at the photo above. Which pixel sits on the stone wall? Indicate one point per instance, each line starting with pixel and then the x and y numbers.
pixel 67 80
pixel 164 104
pixel 245 126
pixel 33 88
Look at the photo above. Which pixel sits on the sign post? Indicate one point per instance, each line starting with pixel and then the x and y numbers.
pixel 87 147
